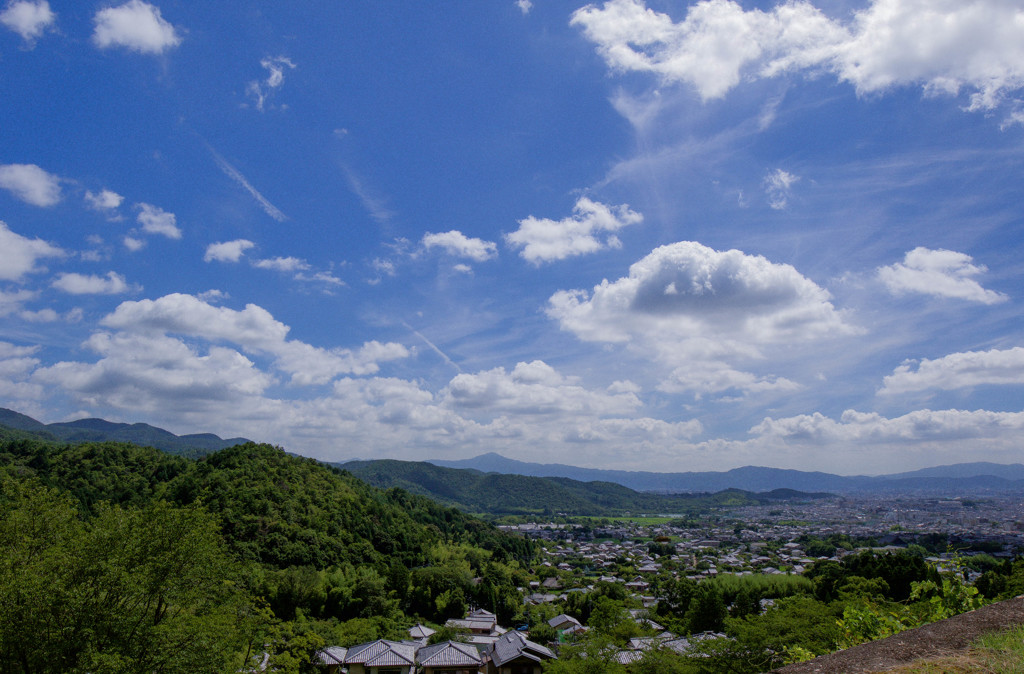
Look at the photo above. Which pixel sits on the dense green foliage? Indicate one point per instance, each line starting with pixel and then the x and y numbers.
pixel 501 494
pixel 128 590
pixel 113 553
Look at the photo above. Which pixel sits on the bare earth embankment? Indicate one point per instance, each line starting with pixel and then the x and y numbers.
pixel 946 637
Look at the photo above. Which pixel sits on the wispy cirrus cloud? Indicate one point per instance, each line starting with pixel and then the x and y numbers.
pixel 261 90
pixel 777 185
pixel 233 173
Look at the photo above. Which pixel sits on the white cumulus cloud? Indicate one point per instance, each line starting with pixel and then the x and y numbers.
pixel 458 244
pixel 19 255
pixel 942 273
pixel 31 184
pixel 88 284
pixel 135 25
pixel 104 200
pixel 545 240
pixel 227 251
pixel 28 19
pixel 155 220
pixel 958 370
pixel 282 264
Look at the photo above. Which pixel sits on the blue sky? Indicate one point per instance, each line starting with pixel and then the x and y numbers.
pixel 656 236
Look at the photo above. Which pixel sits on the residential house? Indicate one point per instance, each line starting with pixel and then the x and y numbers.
pixel 513 653
pixel 420 633
pixel 477 622
pixel 382 657
pixel 564 622
pixel 450 657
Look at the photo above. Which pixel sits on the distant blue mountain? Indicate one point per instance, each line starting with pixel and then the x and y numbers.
pixel 966 477
pixel 100 430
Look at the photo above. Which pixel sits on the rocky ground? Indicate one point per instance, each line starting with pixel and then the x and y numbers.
pixel 946 637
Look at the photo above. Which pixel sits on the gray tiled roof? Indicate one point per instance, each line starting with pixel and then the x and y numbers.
pixel 449 654
pixel 331 655
pixel 514 645
pixel 382 653
pixel 420 631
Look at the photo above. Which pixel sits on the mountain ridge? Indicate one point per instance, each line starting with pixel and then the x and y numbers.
pixel 965 477
pixel 93 429
pixel 512 494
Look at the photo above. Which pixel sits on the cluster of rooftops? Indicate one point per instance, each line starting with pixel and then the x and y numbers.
pixel 488 649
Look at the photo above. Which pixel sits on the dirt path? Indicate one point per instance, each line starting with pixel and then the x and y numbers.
pixel 945 637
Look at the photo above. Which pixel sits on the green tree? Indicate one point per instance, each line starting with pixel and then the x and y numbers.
pixel 130 590
pixel 707 610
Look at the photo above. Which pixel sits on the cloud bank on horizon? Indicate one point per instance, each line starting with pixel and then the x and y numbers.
pixel 632 234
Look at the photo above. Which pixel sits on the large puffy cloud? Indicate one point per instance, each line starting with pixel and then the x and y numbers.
pixel 958 370
pixel 686 290
pixel 941 45
pixel 31 184
pixel 255 330
pixel 942 273
pixel 458 244
pixel 19 255
pixel 147 373
pixel 544 240
pixel 135 25
pixel 28 19
pixel 697 309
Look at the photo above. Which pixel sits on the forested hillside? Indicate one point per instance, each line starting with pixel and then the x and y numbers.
pixel 502 494
pixel 244 547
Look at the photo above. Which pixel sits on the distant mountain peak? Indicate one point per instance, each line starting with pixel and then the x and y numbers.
pixel 93 429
